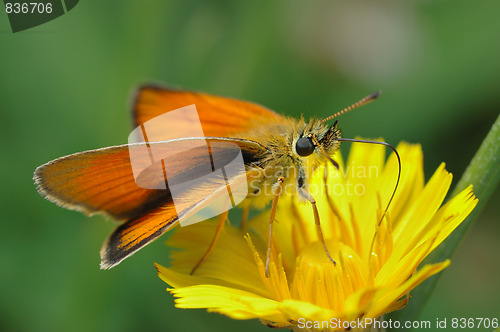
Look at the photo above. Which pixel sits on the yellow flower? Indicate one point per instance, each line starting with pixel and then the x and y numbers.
pixel 376 260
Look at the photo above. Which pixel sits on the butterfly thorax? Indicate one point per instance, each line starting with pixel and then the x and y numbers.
pixel 281 158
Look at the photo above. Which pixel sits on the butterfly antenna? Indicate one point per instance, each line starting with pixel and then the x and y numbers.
pixel 364 101
pixel 399 170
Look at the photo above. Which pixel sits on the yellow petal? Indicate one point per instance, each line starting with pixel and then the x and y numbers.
pixel 385 301
pixel 421 211
pixel 229 301
pixel 230 262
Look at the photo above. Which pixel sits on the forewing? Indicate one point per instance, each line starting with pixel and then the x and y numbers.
pixel 103 181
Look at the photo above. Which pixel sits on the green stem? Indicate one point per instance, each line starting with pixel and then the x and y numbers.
pixel 483 173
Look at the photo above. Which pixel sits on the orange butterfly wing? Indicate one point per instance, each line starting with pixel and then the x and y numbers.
pixel 102 181
pixel 97 181
pixel 219 116
pixel 137 233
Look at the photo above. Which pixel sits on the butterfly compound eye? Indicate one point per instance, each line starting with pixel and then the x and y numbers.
pixel 304 146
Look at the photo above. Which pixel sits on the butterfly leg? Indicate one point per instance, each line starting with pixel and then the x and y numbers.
pixel 333 208
pixel 220 226
pixel 244 218
pixel 318 224
pixel 271 221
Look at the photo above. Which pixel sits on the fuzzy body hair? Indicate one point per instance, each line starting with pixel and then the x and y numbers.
pixel 282 160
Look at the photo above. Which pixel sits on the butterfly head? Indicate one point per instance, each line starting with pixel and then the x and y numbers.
pixel 318 140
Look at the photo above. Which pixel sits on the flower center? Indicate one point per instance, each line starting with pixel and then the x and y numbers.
pixel 317 280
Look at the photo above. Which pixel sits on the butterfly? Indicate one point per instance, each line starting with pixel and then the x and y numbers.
pixel 276 151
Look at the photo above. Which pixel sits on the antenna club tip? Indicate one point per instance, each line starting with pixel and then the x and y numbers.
pixel 375 95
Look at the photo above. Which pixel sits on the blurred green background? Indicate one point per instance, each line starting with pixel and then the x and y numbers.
pixel 65 87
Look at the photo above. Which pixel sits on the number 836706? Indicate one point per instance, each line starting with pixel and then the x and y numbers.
pixel 28 8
